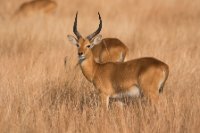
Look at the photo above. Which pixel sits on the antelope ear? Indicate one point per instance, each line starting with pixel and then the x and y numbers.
pixel 97 40
pixel 72 39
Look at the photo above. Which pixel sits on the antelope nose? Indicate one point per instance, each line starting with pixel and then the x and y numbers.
pixel 80 53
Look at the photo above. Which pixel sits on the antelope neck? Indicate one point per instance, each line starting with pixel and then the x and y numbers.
pixel 89 68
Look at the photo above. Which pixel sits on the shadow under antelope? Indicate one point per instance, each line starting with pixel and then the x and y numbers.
pixel 143 76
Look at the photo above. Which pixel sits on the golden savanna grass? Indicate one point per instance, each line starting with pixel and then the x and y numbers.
pixel 39 94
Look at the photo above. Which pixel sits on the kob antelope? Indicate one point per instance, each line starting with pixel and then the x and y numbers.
pixel 108 50
pixel 145 76
pixel 35 6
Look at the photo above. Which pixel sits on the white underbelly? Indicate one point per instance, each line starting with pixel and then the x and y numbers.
pixel 97 60
pixel 132 92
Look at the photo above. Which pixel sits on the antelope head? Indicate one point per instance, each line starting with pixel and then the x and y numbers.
pixel 84 45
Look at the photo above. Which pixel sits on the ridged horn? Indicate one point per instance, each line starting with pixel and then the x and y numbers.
pixel 97 31
pixel 78 35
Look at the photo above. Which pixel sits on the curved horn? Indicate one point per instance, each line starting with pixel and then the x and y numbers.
pixel 97 31
pixel 78 35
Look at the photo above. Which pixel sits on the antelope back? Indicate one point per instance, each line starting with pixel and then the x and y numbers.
pixel 110 50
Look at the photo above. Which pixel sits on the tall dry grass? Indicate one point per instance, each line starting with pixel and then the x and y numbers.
pixel 39 94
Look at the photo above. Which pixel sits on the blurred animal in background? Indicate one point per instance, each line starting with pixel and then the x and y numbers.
pixel 34 7
pixel 108 50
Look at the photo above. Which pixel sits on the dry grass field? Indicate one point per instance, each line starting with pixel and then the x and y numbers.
pixel 39 94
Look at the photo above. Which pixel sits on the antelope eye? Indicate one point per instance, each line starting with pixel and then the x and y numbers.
pixel 77 45
pixel 88 46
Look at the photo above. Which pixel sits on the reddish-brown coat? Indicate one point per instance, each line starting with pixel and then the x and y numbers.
pixel 148 74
